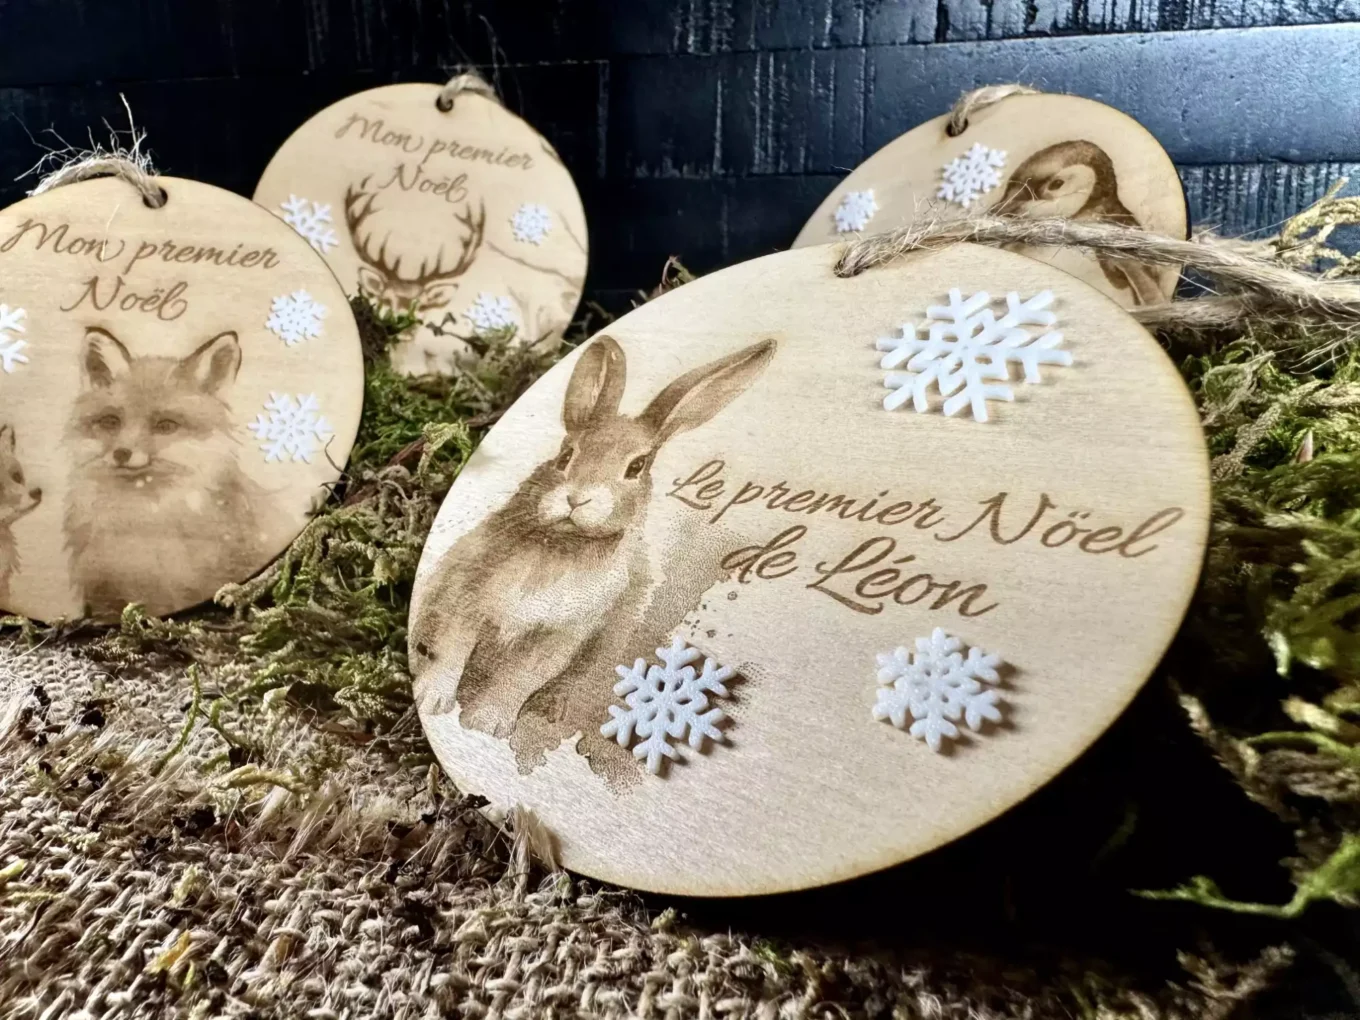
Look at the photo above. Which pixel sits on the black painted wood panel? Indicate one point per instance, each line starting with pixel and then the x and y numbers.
pixel 704 128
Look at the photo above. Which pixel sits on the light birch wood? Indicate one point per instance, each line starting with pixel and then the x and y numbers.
pixel 905 176
pixel 809 788
pixel 440 190
pixel 148 358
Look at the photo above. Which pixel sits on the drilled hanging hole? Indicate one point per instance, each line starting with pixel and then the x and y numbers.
pixel 954 132
pixel 164 198
pixel 443 103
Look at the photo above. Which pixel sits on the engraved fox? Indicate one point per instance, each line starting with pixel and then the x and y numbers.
pixel 16 500
pixel 158 511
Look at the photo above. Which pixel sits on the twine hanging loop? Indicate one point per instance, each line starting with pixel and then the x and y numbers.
pixel 460 84
pixel 132 167
pixel 978 100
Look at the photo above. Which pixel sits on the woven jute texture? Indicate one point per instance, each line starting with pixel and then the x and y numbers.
pixel 149 873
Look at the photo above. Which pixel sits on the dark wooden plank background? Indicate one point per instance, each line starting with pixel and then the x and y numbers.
pixel 704 128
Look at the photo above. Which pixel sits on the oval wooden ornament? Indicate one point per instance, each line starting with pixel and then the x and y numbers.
pixel 1028 155
pixel 466 218
pixel 178 388
pixel 721 469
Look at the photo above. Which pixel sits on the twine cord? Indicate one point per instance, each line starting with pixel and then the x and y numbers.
pixel 1258 285
pixel 115 165
pixel 978 100
pixel 467 82
pixel 125 160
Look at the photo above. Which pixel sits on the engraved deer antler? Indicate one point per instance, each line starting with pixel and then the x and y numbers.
pixel 424 290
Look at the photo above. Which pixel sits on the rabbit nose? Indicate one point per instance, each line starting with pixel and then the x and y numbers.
pixel 35 493
pixel 575 501
pixel 121 455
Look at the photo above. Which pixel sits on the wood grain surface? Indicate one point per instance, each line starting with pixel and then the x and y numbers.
pixel 131 472
pixel 424 203
pixel 1065 535
pixel 1062 156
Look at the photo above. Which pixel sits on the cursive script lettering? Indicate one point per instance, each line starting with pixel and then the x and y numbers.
pixel 166 304
pixel 376 131
pixel 1095 540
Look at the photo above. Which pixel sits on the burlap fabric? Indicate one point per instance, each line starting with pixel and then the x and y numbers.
pixel 136 882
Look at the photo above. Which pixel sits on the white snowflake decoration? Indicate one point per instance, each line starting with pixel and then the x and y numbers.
pixel 972 175
pixel 296 317
pixel 936 686
pixel 11 322
pixel 292 429
pixel 531 223
pixel 968 352
pixel 490 312
pixel 312 220
pixel 665 702
pixel 857 208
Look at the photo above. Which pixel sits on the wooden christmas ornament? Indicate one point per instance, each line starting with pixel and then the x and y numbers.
pixel 790 577
pixel 1038 155
pixel 179 384
pixel 440 203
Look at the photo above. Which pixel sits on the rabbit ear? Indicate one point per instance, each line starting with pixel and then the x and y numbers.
pixel 697 396
pixel 596 385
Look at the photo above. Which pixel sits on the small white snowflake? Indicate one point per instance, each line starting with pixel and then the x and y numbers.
pixel 312 220
pixel 292 429
pixel 968 177
pixel 11 322
pixel 531 223
pixel 857 208
pixel 490 312
pixel 296 317
pixel 936 686
pixel 664 702
pixel 968 352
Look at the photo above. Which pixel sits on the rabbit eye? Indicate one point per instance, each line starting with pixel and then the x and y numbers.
pixel 564 458
pixel 636 466
pixel 18 477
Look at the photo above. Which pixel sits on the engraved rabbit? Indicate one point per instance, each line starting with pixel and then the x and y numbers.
pixel 519 600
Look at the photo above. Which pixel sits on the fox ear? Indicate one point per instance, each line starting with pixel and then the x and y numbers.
pixel 596 385
pixel 215 364
pixel 698 395
pixel 105 358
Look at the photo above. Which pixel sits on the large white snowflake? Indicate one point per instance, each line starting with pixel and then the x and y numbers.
pixel 967 353
pixel 531 223
pixel 312 220
pixel 292 429
pixel 11 347
pixel 295 317
pixel 966 178
pixel 857 208
pixel 491 312
pixel 936 686
pixel 665 702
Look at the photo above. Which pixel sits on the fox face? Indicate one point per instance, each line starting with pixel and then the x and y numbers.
pixel 153 420
pixel 17 496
